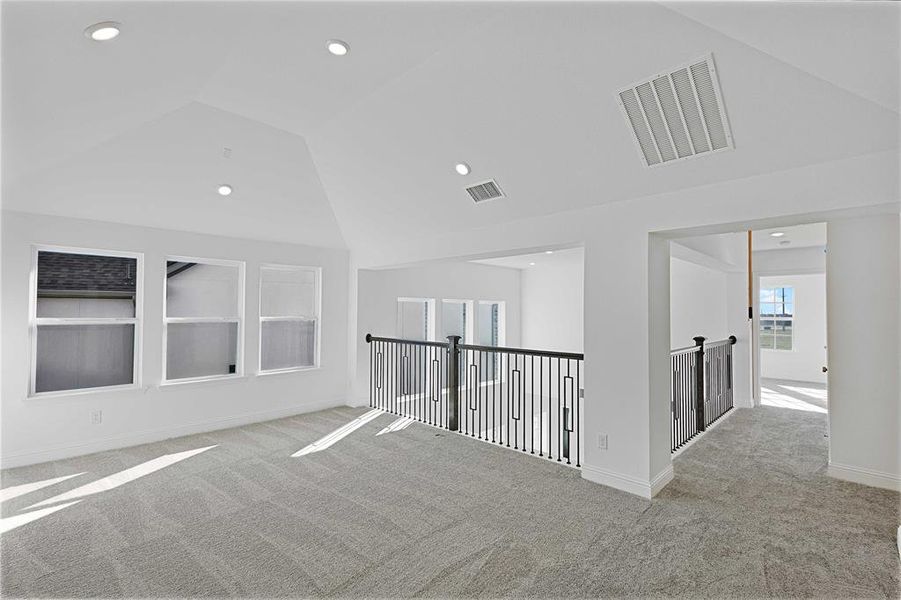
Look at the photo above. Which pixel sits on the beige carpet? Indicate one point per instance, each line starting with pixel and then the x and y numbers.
pixel 419 512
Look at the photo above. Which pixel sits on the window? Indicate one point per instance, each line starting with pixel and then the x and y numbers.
pixel 491 318
pixel 289 318
pixel 204 308
pixel 491 333
pixel 85 320
pixel 456 319
pixel 776 318
pixel 414 319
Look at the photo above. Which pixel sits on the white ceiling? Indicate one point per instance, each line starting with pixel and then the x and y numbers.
pixel 334 151
pixel 537 259
pixel 821 40
pixel 799 236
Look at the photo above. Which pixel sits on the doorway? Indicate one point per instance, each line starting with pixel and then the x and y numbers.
pixel 790 317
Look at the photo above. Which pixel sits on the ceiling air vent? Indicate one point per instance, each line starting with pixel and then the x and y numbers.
pixel 485 191
pixel 678 115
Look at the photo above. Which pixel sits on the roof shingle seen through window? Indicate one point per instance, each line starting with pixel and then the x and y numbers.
pixel 59 271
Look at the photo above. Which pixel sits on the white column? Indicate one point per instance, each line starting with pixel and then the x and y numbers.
pixel 863 325
pixel 627 359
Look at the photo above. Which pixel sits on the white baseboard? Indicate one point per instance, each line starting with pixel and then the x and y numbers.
pixel 864 476
pixel 358 402
pixel 627 483
pixel 22 459
pixel 662 480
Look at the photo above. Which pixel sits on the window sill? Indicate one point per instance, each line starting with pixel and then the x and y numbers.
pixel 291 370
pixel 83 392
pixel 175 383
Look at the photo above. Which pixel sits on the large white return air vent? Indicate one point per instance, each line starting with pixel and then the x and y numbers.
pixel 678 115
pixel 488 190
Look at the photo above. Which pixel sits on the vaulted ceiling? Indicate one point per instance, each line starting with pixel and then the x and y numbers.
pixel 346 151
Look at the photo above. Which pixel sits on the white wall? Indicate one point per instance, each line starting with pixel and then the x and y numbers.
pixel 380 289
pixel 805 361
pixel 863 322
pixel 698 303
pixel 38 429
pixel 552 303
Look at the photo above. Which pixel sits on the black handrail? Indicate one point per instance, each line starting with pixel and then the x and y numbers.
pixel 507 350
pixel 480 348
pixel 373 338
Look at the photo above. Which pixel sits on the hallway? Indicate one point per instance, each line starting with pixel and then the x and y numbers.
pixel 420 512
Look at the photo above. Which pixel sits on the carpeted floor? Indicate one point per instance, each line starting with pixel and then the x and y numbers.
pixel 420 512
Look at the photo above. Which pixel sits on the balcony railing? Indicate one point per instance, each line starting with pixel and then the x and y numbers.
pixel 527 400
pixel 701 387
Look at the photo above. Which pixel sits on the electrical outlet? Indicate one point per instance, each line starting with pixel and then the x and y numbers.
pixel 602 441
pixel 96 417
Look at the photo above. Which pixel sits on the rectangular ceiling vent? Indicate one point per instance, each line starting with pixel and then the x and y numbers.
pixel 678 115
pixel 485 191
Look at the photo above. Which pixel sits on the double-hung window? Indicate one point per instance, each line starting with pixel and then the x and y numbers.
pixel 777 313
pixel 289 317
pixel 491 333
pixel 204 310
pixel 414 319
pixel 456 319
pixel 85 320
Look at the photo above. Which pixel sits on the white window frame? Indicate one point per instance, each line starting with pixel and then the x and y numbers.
pixel 760 318
pixel 34 321
pixel 167 320
pixel 317 308
pixel 470 319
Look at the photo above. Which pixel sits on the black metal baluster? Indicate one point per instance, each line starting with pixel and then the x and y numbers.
pixel 578 415
pixel 559 416
pixel 540 406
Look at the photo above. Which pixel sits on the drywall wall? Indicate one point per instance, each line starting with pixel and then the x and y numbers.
pixel 38 429
pixel 552 302
pixel 698 303
pixel 379 291
pixel 863 320
pixel 805 361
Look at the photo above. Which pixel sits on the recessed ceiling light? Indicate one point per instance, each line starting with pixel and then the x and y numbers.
pixel 225 190
pixel 784 242
pixel 462 168
pixel 103 32
pixel 337 47
pixel 531 264
pixel 777 234
pixel 548 251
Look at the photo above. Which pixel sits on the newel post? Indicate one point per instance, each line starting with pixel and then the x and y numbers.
pixel 453 384
pixel 699 383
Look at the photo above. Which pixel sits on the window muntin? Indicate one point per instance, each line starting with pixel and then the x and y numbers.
pixel 776 316
pixel 85 320
pixel 289 317
pixel 203 319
